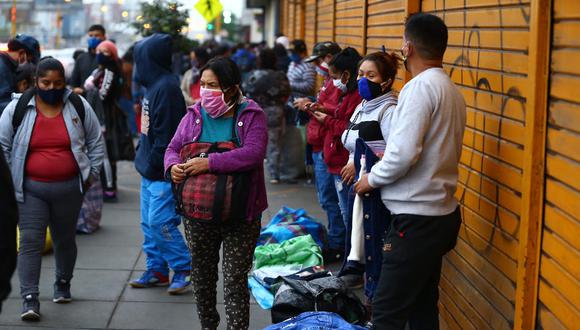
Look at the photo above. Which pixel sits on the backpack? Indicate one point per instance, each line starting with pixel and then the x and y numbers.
pixel 22 103
pixel 328 294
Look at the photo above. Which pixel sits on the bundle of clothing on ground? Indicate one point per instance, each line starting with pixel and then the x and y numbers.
pixel 289 277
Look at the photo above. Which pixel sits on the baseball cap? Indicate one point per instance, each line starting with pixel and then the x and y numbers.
pixel 322 49
pixel 30 44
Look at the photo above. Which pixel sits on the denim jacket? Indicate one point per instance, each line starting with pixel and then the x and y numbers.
pixel 87 144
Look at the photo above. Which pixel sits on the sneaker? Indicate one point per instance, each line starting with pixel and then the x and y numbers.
pixel 150 279
pixel 180 283
pixel 30 308
pixel 353 281
pixel 332 255
pixel 61 292
pixel 274 181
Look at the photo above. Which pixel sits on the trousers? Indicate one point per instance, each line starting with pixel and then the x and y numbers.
pixel 408 288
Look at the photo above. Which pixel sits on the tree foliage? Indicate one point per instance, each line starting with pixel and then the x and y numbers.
pixel 164 17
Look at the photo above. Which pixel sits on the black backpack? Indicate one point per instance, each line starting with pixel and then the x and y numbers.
pixel 328 294
pixel 22 104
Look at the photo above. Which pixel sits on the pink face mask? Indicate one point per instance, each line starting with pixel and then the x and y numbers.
pixel 212 100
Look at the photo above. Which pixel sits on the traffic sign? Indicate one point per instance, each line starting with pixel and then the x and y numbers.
pixel 209 9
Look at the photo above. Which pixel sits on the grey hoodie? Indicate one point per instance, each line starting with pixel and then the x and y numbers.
pixel 87 145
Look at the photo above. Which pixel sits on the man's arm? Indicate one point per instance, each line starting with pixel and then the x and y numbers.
pixel 411 122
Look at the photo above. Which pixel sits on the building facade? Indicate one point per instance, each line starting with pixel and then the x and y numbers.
pixel 516 264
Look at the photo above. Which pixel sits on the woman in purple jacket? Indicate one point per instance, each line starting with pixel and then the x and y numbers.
pixel 211 120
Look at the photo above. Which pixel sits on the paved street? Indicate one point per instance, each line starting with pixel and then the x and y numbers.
pixel 110 257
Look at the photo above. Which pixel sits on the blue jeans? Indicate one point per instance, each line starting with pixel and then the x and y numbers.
pixel 342 191
pixel 326 190
pixel 163 243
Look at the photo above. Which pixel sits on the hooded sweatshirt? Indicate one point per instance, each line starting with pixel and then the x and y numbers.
pixel 163 105
pixel 8 81
pixel 253 134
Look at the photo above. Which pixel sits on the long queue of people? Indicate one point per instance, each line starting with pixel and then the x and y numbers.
pixel 385 165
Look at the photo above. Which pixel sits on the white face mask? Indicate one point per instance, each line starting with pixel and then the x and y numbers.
pixel 339 84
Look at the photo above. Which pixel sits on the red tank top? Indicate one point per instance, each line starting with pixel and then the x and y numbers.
pixel 50 158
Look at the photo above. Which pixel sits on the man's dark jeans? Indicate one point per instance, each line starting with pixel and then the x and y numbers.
pixel 412 254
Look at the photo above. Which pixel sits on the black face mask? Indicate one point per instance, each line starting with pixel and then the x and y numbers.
pixel 50 96
pixel 105 60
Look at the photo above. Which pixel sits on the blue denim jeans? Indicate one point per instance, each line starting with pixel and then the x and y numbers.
pixel 326 190
pixel 163 243
pixel 342 191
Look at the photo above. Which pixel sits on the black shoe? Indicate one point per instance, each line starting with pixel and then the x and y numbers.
pixel 110 196
pixel 332 255
pixel 62 292
pixel 353 281
pixel 30 308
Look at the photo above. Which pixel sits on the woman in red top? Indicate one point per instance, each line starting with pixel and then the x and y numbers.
pixel 343 70
pixel 55 152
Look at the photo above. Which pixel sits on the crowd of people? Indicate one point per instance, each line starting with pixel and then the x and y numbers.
pixel 385 163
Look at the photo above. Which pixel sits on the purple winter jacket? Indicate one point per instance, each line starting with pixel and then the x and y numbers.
pixel 253 134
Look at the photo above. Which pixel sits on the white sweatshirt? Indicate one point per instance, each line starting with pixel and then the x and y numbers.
pixel 418 172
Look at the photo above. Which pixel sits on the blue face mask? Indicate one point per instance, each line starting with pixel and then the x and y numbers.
pixel 367 89
pixel 295 58
pixel 93 42
pixel 50 96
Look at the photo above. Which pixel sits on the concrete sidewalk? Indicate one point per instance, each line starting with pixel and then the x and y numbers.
pixel 110 257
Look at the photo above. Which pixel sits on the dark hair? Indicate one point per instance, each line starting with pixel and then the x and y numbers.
pixel 97 27
pixel 387 65
pixel 280 50
pixel 25 72
pixel 428 33
pixel 347 60
pixel 226 71
pixel 128 56
pixel 299 46
pixel 77 53
pixel 49 64
pixel 202 55
pixel 267 59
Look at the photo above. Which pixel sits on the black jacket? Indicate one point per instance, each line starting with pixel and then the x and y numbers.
pixel 8 221
pixel 85 64
pixel 7 79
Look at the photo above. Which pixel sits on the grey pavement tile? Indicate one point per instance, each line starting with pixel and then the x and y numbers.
pixel 160 295
pixel 121 215
pixel 138 315
pixel 103 285
pixel 78 314
pixel 109 235
pixel 103 257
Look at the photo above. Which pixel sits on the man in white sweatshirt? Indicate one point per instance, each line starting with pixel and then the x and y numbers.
pixel 418 178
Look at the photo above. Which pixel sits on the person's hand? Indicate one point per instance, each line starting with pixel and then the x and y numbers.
pixel 78 90
pixel 196 166
pixel 177 173
pixel 362 185
pixel 348 172
pixel 319 116
pixel 301 102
